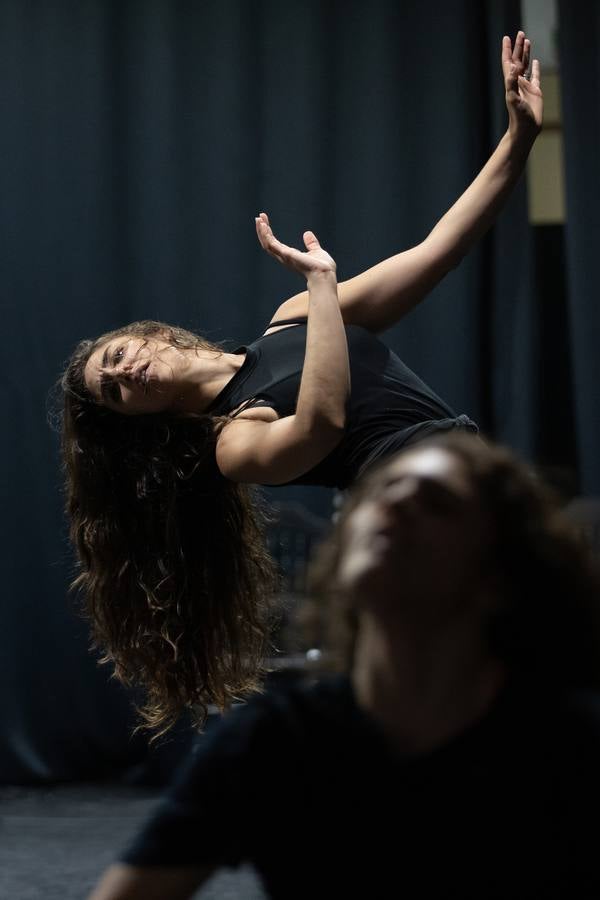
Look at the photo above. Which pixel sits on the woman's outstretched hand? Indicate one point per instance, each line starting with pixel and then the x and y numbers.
pixel 524 99
pixel 313 261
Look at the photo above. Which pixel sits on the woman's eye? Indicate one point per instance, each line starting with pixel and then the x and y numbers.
pixel 118 356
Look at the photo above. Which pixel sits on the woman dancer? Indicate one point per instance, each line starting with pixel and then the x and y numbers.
pixel 162 431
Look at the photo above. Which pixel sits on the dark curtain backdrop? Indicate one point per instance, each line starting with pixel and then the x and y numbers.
pixel 580 78
pixel 139 139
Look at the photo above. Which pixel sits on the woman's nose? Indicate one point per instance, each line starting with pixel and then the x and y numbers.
pixel 123 367
pixel 123 374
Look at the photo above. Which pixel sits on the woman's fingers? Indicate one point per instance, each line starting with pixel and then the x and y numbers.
pixel 535 73
pixel 510 68
pixel 265 234
pixel 526 52
pixel 506 55
pixel 270 243
pixel 259 230
pixel 516 60
pixel 274 246
pixel 311 241
pixel 262 226
pixel 313 260
pixel 517 54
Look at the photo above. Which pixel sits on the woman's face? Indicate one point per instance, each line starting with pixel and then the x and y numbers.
pixel 134 375
pixel 421 531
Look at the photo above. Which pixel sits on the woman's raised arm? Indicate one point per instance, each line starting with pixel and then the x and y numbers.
pixel 380 296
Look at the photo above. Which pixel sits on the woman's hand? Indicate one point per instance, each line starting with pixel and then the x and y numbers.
pixel 314 261
pixel 524 99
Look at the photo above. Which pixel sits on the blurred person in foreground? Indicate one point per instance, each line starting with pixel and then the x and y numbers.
pixel 455 751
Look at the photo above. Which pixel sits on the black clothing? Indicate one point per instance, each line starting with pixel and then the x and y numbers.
pixel 389 406
pixel 302 784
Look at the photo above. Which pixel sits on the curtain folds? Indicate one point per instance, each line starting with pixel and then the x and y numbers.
pixel 579 43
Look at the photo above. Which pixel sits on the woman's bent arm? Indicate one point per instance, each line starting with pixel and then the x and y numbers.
pixel 252 450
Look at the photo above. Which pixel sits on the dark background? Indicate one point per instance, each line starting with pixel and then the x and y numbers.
pixel 138 142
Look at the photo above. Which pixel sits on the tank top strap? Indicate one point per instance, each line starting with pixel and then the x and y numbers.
pixel 299 320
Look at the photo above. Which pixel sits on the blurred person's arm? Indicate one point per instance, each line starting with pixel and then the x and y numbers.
pixel 125 882
pixel 204 817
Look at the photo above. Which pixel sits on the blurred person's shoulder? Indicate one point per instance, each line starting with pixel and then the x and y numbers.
pixel 299 702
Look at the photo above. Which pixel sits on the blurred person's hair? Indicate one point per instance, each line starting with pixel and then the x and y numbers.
pixel 548 625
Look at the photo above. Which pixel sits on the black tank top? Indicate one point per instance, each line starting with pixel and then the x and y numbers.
pixel 388 406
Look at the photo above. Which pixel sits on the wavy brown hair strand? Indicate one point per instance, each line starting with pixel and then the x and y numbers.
pixel 173 566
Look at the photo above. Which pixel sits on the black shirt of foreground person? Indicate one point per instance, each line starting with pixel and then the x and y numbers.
pixel 302 784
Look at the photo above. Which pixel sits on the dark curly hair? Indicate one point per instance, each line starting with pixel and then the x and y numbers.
pixel 173 566
pixel 549 625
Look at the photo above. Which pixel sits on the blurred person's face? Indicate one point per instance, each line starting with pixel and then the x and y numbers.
pixel 418 539
pixel 134 375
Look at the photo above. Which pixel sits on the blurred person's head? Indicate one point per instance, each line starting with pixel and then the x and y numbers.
pixel 456 528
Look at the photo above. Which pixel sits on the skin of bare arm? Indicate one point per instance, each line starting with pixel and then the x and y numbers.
pixel 250 449
pixel 379 297
pixel 124 882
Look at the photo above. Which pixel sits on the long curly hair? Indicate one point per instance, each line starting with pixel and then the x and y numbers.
pixel 173 566
pixel 548 626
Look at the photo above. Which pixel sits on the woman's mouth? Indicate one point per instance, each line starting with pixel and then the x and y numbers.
pixel 141 376
pixel 146 375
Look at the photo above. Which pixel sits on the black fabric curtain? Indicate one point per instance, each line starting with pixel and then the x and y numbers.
pixel 579 34
pixel 139 139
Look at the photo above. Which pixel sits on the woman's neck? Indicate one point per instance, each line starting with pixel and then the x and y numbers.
pixel 208 373
pixel 422 689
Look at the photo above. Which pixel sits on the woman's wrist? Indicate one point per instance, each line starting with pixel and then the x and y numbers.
pixel 321 277
pixel 519 141
pixel 522 130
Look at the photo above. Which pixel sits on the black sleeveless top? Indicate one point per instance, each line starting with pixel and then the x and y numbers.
pixel 388 407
